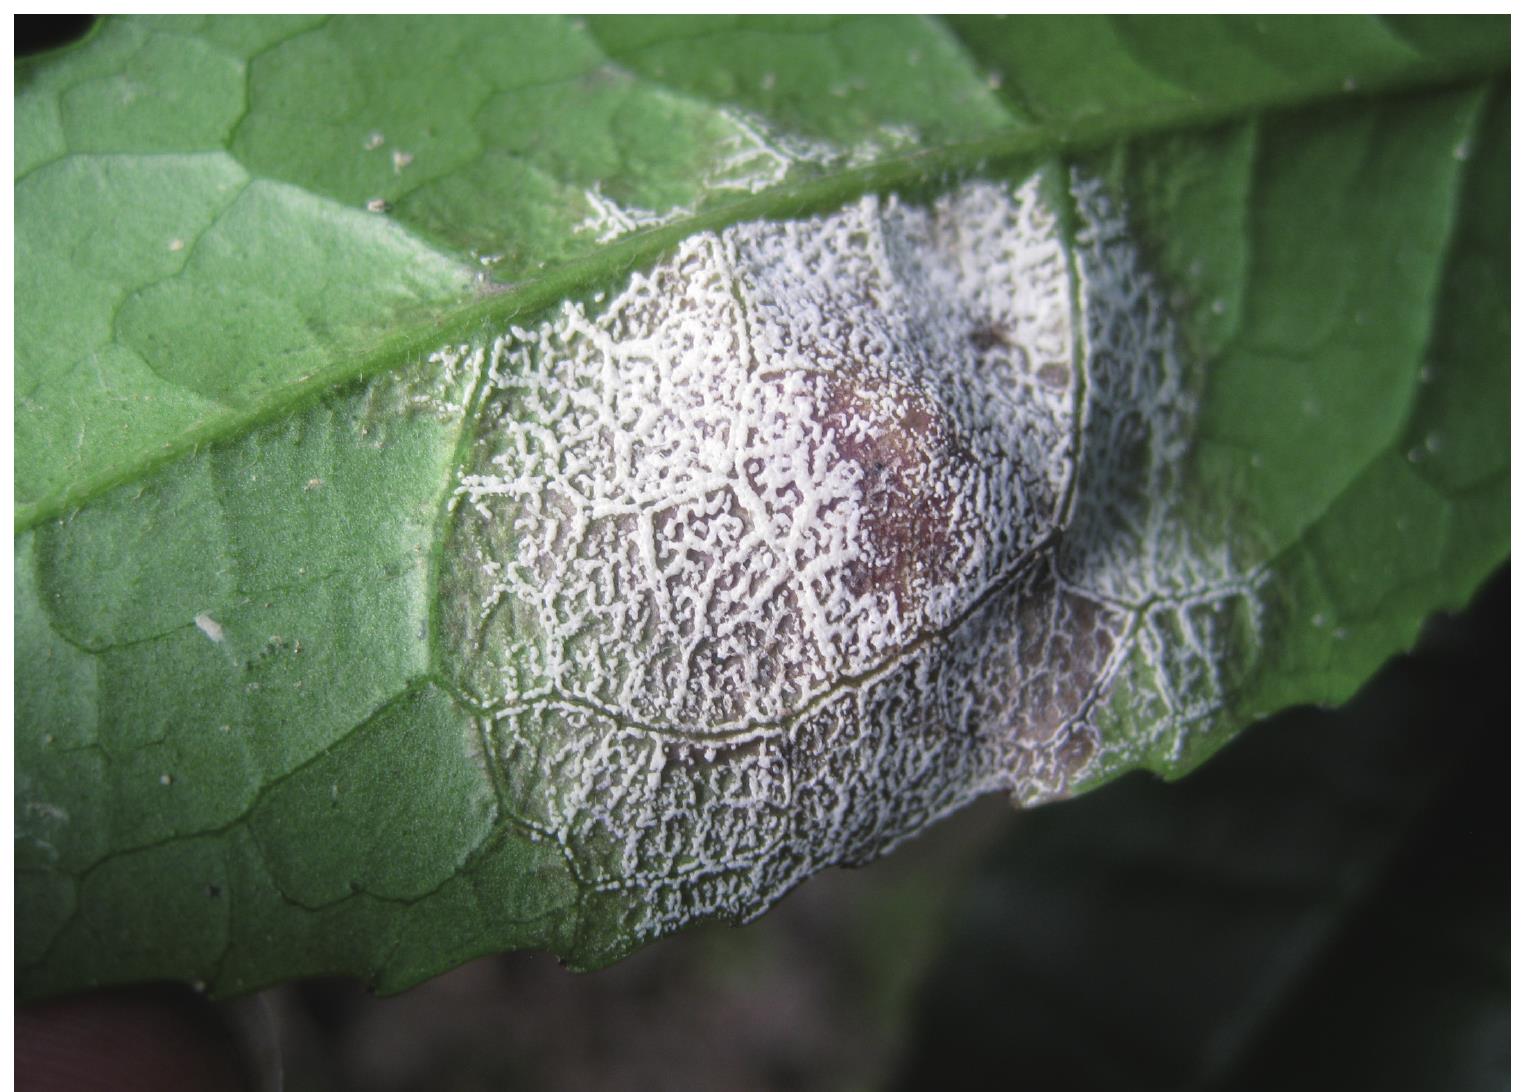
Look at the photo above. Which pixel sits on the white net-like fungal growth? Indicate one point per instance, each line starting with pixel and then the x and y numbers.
pixel 818 530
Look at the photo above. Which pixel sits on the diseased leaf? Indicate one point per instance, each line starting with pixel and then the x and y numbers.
pixel 541 482
pixel 1325 902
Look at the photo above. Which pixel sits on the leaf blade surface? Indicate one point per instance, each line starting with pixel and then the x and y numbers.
pixel 235 458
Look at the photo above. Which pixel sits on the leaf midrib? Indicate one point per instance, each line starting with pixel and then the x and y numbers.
pixel 508 303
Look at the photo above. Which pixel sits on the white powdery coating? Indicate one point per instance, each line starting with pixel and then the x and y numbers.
pixel 751 156
pixel 819 530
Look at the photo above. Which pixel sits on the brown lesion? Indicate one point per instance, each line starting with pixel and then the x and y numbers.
pixel 990 336
pixel 915 472
pixel 1071 641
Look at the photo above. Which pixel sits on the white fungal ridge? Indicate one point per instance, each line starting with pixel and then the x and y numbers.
pixel 818 530
pixel 609 220
pixel 752 156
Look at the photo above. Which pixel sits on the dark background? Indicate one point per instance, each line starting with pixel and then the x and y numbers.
pixel 35 33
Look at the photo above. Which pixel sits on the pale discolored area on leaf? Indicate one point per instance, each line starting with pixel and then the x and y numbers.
pixel 821 529
pixel 292 310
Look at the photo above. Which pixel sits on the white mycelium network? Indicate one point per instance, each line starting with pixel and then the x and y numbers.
pixel 821 528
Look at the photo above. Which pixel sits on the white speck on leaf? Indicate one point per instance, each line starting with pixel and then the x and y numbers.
pixel 211 629
pixel 373 142
pixel 51 812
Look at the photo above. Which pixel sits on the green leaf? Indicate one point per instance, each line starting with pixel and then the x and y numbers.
pixel 1163 384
